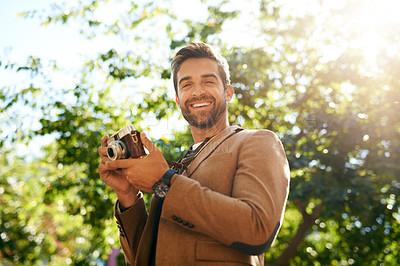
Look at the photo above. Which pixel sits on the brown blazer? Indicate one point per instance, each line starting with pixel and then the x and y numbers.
pixel 225 209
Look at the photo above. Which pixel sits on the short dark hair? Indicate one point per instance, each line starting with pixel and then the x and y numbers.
pixel 200 50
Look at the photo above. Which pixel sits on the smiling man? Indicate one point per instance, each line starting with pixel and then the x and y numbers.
pixel 202 96
pixel 223 202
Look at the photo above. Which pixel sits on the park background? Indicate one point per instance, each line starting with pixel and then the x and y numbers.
pixel 323 75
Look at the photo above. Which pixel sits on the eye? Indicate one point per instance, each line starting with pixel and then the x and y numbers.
pixel 185 85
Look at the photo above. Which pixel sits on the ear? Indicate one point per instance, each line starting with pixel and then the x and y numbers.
pixel 177 101
pixel 229 92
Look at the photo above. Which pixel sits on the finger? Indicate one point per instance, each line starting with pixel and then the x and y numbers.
pixel 104 159
pixel 104 140
pixel 102 151
pixel 119 164
pixel 147 143
pixel 104 172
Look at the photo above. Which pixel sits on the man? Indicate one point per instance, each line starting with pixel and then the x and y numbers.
pixel 226 203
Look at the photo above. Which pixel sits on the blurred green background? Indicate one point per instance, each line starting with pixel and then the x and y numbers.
pixel 323 75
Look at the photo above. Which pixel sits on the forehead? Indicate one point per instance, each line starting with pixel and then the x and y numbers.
pixel 197 67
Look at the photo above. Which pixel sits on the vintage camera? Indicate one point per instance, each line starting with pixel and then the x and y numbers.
pixel 125 143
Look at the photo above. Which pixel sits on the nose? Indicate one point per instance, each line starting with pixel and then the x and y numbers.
pixel 198 90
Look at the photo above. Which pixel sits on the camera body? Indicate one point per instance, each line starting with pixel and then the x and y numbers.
pixel 124 144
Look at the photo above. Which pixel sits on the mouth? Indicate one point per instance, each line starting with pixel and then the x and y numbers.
pixel 200 104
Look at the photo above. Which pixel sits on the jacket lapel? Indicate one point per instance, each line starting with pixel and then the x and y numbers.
pixel 210 148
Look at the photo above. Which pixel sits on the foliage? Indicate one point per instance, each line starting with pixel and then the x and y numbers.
pixel 77 117
pixel 333 100
pixel 338 119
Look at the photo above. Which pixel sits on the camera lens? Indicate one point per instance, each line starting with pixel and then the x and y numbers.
pixel 117 150
pixel 110 152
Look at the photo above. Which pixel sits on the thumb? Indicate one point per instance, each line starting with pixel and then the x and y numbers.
pixel 147 143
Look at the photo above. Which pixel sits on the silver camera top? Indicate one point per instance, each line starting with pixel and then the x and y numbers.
pixel 121 133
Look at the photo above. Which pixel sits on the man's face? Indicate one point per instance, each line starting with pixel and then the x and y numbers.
pixel 201 94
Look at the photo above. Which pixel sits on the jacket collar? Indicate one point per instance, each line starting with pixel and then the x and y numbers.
pixel 210 148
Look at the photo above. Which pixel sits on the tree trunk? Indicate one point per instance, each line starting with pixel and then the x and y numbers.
pixel 308 221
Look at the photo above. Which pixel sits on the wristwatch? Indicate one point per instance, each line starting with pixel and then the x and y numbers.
pixel 162 186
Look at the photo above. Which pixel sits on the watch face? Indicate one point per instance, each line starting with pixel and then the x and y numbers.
pixel 161 190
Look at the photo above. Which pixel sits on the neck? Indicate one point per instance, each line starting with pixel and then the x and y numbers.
pixel 199 134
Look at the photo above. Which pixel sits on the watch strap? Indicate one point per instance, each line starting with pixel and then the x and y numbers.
pixel 161 187
pixel 166 178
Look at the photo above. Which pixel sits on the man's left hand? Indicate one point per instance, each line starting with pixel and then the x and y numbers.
pixel 143 173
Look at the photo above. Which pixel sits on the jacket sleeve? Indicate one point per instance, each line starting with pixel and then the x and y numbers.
pixel 131 224
pixel 251 216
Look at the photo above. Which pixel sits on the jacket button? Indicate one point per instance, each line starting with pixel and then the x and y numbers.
pixel 174 218
pixel 190 225
pixel 185 223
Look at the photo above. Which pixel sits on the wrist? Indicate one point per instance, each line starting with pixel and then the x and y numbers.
pixel 161 187
pixel 127 199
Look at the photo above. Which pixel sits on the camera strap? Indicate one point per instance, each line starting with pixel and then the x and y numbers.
pixel 182 164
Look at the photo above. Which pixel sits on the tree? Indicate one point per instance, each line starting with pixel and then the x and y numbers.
pixel 338 119
pixel 309 78
pixel 77 117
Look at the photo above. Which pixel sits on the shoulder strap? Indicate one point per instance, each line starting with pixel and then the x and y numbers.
pixel 182 164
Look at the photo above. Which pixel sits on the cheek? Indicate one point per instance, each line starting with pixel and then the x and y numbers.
pixel 222 95
pixel 181 101
pixel 183 97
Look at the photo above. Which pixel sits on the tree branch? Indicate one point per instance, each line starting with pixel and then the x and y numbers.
pixel 308 221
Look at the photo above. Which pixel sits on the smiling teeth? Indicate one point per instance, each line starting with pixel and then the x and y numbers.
pixel 200 104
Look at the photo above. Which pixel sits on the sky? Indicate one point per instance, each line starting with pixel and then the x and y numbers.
pixel 22 37
pixel 16 32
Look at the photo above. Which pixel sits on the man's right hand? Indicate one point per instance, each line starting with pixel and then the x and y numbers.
pixel 115 179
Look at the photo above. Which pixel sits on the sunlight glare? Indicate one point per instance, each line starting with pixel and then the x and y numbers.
pixel 373 17
pixel 366 26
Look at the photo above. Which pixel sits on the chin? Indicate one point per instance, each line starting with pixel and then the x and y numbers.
pixel 203 124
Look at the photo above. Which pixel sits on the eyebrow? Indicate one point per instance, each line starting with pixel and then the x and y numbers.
pixel 211 75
